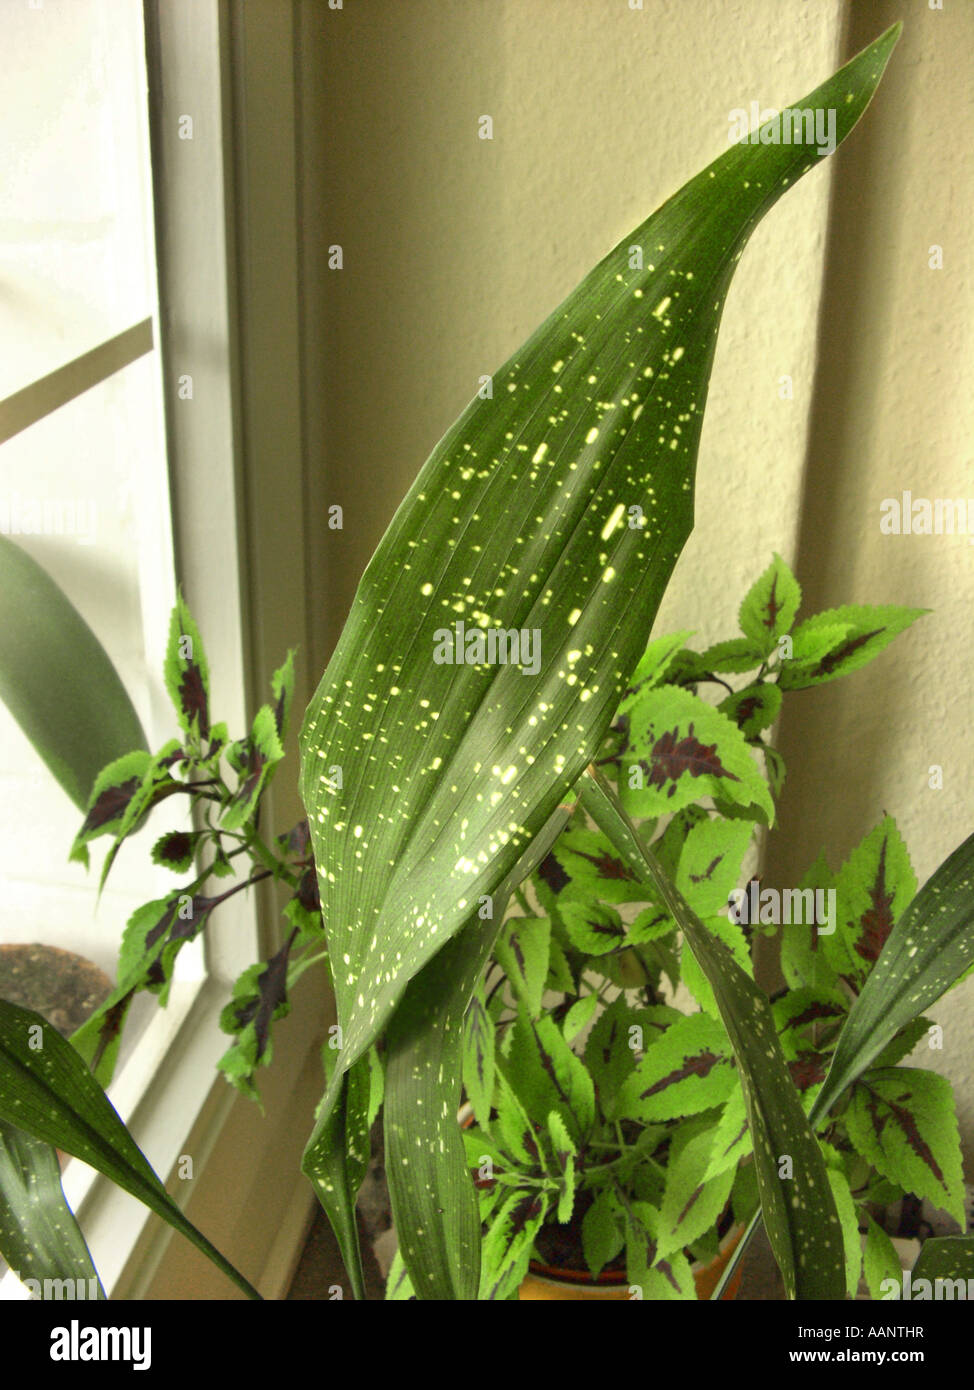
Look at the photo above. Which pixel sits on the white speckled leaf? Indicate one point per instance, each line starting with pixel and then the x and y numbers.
pixel 39 1236
pixel 519 520
pixel 47 1091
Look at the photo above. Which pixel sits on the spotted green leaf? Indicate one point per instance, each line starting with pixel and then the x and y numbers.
pixel 849 1221
pixel 47 1091
pixel 39 1236
pixel 946 1258
pixel 456 752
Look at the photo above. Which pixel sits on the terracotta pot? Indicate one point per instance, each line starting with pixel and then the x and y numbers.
pixel 559 1285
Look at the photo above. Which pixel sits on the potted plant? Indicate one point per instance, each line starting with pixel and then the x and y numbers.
pixel 492 638
pixel 605 1127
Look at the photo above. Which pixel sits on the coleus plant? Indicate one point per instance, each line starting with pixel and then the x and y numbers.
pixel 609 1123
pixel 434 788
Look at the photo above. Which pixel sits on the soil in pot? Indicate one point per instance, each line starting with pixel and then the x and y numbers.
pixel 560 1273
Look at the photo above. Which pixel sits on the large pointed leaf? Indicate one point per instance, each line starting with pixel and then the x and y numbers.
pixel 796 1200
pixel 57 679
pixel 47 1091
pixel 39 1236
pixel 928 949
pixel 434 1204
pixel 552 512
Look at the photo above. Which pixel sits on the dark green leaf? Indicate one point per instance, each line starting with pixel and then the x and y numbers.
pixel 48 1092
pixel 39 1236
pixel 57 680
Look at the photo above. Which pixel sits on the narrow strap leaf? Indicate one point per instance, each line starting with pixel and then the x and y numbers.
pixel 47 1091
pixel 39 1236
pixel 796 1199
pixel 477 675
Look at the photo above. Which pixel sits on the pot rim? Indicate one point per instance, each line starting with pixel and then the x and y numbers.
pixel 575 1278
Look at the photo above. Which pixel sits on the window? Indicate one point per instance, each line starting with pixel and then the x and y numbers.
pixel 85 489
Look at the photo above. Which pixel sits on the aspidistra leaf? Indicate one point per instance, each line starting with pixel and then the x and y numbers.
pixel 47 1091
pixel 39 1236
pixel 57 680
pixel 517 523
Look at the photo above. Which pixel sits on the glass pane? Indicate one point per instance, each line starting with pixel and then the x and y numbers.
pixel 74 187
pixel 84 490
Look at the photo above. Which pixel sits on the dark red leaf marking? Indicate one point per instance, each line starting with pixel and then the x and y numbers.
pixel 907 1123
pixel 176 847
pixel 111 804
pixel 308 894
pixel 551 872
pixel 692 1198
pixel 831 660
pixel 608 866
pixel 807 1069
pixel 673 756
pixel 271 992
pixel 876 922
pixel 192 697
pixel 813 1012
pixel 772 607
pixel 708 871
pixel 700 1065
